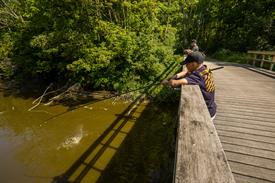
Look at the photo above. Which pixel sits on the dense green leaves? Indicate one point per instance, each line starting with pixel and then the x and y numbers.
pixel 230 24
pixel 103 44
pixel 123 44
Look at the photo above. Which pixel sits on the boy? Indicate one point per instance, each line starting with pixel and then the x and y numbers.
pixel 196 73
pixel 194 46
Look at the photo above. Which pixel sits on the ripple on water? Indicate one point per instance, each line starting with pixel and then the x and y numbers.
pixel 72 141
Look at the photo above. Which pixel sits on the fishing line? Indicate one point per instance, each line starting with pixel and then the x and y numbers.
pixel 168 70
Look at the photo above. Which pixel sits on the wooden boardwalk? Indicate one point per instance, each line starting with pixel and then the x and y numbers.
pixel 245 121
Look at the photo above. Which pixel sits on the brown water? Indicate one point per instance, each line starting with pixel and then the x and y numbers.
pixel 88 144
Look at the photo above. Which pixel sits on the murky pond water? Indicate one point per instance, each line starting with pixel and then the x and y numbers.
pixel 88 144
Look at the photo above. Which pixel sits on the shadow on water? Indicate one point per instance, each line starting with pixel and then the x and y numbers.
pixel 146 153
pixel 82 159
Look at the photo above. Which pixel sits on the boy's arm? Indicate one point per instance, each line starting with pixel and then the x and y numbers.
pixel 180 74
pixel 175 83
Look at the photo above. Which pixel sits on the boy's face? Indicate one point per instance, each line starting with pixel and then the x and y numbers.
pixel 192 66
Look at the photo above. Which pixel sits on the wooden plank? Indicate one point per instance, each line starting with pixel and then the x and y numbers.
pixel 269 113
pixel 251 160
pixel 249 143
pixel 268 107
pixel 262 117
pixel 257 172
pixel 248 150
pixel 199 156
pixel 246 117
pixel 245 103
pixel 245 136
pixel 261 125
pixel 247 179
pixel 246 112
pixel 239 107
pixel 245 125
pixel 248 131
pixel 246 98
pixel 247 107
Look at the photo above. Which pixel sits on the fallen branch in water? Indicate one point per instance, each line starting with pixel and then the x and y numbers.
pixel 49 93
pixel 57 96
pixel 41 97
pixel 74 88
pixel 48 103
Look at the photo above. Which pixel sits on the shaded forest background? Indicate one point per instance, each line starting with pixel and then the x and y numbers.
pixel 123 44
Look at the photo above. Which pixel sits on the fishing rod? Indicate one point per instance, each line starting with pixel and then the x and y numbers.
pixel 168 69
pixel 163 82
pixel 216 68
pixel 166 82
pixel 152 84
pixel 149 85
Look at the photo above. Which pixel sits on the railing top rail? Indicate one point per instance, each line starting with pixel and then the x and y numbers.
pixel 261 52
pixel 199 153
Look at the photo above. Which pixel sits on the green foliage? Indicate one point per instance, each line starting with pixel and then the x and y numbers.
pixel 6 46
pixel 229 56
pixel 123 45
pixel 117 45
pixel 234 25
pixel 6 66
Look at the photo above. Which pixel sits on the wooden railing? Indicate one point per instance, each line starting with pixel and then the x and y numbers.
pixel 262 57
pixel 199 154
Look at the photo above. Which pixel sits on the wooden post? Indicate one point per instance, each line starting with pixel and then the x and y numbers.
pixel 254 60
pixel 272 64
pixel 199 156
pixel 262 61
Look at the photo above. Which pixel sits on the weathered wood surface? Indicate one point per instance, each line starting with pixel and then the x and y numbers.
pixel 200 157
pixel 245 121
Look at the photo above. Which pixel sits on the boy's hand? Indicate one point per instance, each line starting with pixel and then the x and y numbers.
pixel 172 77
pixel 169 83
pixel 165 82
pixel 172 83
